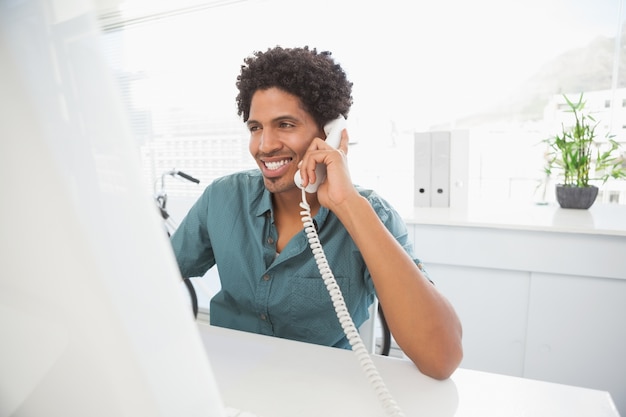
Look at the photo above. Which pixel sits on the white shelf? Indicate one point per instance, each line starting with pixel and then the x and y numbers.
pixel 600 219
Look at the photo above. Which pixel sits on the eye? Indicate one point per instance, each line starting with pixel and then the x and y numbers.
pixel 253 128
pixel 286 125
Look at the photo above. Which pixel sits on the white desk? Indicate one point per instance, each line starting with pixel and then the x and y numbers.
pixel 280 378
pixel 550 281
pixel 600 219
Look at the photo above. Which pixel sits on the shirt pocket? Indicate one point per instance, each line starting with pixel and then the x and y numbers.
pixel 312 312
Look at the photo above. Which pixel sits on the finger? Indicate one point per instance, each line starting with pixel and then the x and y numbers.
pixel 308 162
pixel 345 140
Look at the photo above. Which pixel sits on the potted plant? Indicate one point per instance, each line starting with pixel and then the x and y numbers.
pixel 577 158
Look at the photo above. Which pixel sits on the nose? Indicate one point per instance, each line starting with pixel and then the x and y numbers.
pixel 269 141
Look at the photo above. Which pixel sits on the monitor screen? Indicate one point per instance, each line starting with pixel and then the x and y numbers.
pixel 92 317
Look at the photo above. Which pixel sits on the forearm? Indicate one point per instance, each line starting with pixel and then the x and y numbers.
pixel 422 321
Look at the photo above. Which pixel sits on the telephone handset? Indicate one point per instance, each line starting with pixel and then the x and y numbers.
pixel 333 136
pixel 333 131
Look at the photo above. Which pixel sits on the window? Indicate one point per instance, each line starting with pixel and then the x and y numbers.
pixel 496 68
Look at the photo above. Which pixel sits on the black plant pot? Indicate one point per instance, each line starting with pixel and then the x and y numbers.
pixel 576 197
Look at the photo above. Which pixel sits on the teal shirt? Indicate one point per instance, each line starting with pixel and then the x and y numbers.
pixel 283 295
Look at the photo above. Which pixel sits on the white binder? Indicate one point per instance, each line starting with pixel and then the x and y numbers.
pixel 422 169
pixel 440 169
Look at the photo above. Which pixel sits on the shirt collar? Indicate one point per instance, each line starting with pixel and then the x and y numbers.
pixel 265 206
pixel 265 202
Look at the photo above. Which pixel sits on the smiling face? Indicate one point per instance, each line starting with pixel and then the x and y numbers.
pixel 280 133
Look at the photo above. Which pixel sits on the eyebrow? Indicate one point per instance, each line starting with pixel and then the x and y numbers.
pixel 277 119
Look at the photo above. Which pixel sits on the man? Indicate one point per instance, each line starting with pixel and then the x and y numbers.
pixel 249 224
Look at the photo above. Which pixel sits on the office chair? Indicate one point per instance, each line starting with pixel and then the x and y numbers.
pixel 386 343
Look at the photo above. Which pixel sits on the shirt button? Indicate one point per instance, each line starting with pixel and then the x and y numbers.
pixel 263 317
pixel 270 240
pixel 266 277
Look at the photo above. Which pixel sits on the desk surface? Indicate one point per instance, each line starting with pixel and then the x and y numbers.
pixel 281 378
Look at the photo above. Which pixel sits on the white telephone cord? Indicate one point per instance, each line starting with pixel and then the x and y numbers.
pixel 350 330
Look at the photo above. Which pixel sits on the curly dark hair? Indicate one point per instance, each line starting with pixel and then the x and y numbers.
pixel 313 77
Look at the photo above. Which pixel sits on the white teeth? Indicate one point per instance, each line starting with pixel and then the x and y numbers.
pixel 275 165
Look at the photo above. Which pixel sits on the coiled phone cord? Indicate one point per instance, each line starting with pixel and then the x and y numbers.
pixel 350 330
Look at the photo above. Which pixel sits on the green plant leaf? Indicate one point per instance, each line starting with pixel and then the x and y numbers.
pixel 574 153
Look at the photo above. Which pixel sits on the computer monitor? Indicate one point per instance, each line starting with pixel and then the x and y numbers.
pixel 93 321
